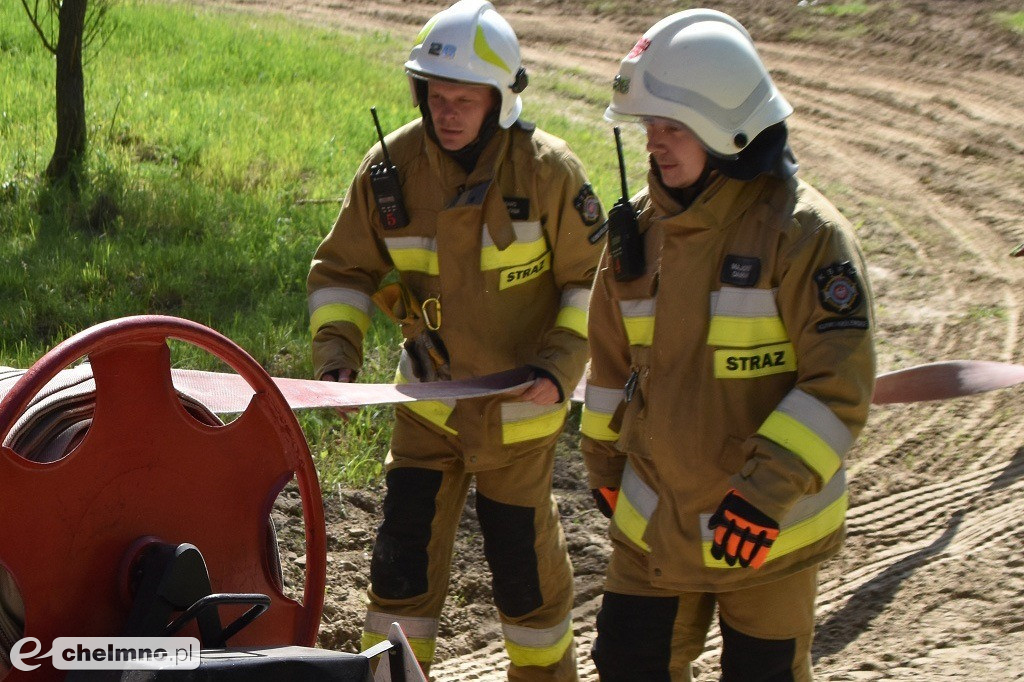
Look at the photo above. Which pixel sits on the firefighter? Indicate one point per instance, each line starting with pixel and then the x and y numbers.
pixel 488 267
pixel 729 379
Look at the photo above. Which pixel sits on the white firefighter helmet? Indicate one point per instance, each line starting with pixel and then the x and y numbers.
pixel 471 43
pixel 699 67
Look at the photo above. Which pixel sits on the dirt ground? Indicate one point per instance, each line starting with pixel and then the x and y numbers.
pixel 909 118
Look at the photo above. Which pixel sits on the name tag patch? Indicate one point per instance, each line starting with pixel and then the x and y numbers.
pixel 748 363
pixel 518 207
pixel 741 271
pixel 520 274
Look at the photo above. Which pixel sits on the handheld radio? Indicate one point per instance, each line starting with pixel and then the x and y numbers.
pixel 386 190
pixel 625 244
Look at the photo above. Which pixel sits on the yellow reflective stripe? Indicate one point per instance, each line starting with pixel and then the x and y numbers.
pixel 485 52
pixel 746 332
pixel 573 319
pixel 521 654
pixel 739 363
pixel 424 31
pixel 520 274
pixel 434 411
pixel 639 330
pixel 638 317
pixel 573 314
pixel 630 521
pixel 415 260
pixel 597 425
pixel 338 312
pixel 423 649
pixel 793 537
pixel 636 504
pixel 534 427
pixel 599 405
pixel 796 437
pixel 517 253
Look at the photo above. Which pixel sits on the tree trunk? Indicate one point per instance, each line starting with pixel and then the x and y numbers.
pixel 70 146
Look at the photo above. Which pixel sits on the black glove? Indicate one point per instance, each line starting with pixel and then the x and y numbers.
pixel 742 532
pixel 605 499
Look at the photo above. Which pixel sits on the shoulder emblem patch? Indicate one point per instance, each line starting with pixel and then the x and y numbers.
pixel 588 205
pixel 839 289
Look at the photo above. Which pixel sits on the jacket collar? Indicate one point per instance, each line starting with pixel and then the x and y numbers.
pixel 719 204
pixel 479 186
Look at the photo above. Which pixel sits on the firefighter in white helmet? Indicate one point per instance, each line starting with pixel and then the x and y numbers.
pixel 484 247
pixel 728 379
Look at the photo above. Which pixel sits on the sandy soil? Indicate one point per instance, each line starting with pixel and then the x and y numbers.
pixel 909 119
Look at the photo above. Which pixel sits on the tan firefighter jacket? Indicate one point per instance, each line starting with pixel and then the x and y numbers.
pixel 505 253
pixel 743 358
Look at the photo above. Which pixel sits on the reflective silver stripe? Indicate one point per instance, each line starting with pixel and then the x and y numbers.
pixel 525 232
pixel 536 638
pixel 639 307
pixel 806 508
pixel 576 297
pixel 816 416
pixel 405 243
pixel 523 410
pixel 602 400
pixel 734 302
pixel 728 118
pixel 414 627
pixel 343 295
pixel 641 496
pixel 809 505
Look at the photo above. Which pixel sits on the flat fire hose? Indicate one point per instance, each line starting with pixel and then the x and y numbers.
pixel 227 393
pixel 930 381
pixel 944 380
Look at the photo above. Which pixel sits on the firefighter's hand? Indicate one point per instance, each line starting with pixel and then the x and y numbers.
pixel 743 532
pixel 542 391
pixel 605 499
pixel 344 376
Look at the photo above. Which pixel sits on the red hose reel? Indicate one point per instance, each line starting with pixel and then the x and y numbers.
pixel 147 471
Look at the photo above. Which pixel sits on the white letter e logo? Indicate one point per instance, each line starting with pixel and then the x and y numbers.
pixel 17 655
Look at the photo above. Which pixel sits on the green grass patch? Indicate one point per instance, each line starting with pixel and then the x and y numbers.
pixel 1011 20
pixel 843 9
pixel 205 130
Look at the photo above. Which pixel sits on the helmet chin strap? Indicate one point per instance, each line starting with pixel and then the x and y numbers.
pixel 769 152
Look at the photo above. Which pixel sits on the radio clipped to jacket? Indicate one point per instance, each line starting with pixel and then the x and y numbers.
pixel 625 245
pixel 387 192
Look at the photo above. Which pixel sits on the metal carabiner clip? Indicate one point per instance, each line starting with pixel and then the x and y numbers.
pixel 432 326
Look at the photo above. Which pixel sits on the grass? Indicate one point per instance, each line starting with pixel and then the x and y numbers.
pixel 205 128
pixel 843 9
pixel 1011 20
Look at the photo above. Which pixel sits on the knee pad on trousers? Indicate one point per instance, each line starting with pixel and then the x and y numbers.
pixel 398 569
pixel 634 638
pixel 750 659
pixel 509 537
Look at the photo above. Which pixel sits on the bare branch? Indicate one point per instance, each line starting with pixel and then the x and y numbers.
pixel 34 18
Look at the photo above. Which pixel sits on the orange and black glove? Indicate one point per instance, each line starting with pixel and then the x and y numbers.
pixel 742 532
pixel 605 499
